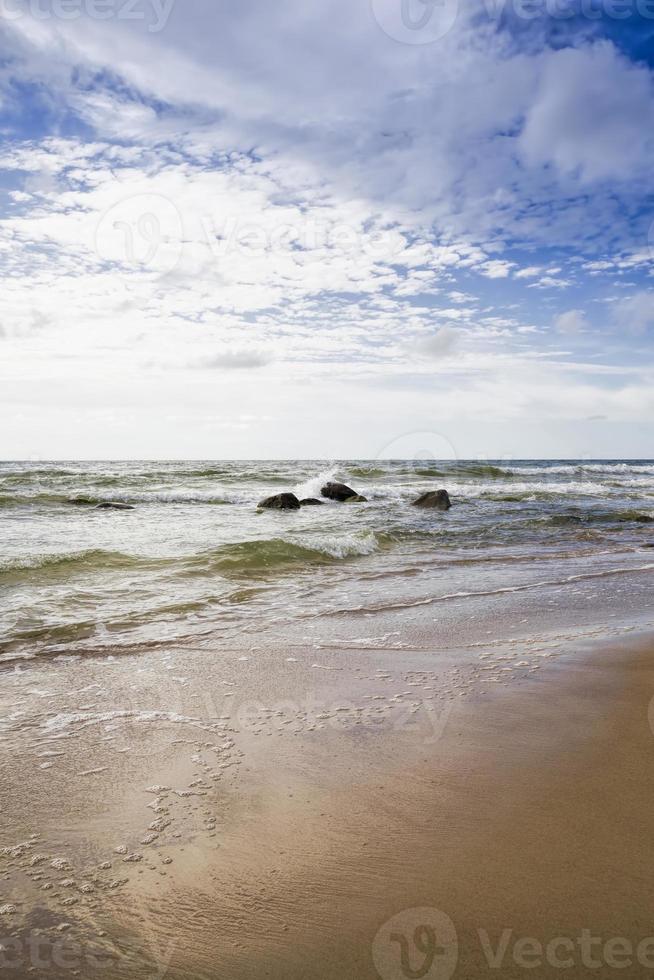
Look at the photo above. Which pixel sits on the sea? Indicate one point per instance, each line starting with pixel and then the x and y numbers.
pixel 196 561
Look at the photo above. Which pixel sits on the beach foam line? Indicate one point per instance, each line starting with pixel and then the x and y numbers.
pixel 431 600
pixel 84 719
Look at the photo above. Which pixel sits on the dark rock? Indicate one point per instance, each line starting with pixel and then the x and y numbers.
pixel 340 492
pixel 111 505
pixel 440 499
pixel 311 502
pixel 281 501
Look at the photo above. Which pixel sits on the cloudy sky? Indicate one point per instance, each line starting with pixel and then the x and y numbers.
pixel 236 228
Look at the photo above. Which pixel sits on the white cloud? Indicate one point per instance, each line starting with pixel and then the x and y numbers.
pixel 327 204
pixel 592 116
pixel 549 282
pixel 440 344
pixel 233 360
pixel 365 110
pixel 529 272
pixel 635 314
pixel 496 269
pixel 572 321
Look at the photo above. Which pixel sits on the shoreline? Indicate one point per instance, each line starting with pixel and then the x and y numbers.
pixel 199 563
pixel 344 787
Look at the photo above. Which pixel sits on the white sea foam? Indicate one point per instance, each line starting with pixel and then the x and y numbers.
pixel 339 545
pixel 312 486
pixel 84 719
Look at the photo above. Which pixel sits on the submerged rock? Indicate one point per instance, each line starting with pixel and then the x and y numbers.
pixel 310 502
pixel 281 501
pixel 440 499
pixel 111 505
pixel 82 501
pixel 356 499
pixel 340 492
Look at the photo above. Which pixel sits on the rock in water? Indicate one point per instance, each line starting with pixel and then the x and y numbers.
pixel 356 499
pixel 440 499
pixel 310 502
pixel 340 492
pixel 281 501
pixel 109 505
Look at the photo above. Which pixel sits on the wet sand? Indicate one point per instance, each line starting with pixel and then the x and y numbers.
pixel 334 817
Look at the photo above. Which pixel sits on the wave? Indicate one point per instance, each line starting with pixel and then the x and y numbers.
pixel 269 554
pixel 544 490
pixel 170 497
pixel 597 517
pixel 39 473
pixel 521 493
pixel 92 500
pixel 564 469
pixel 366 471
pixel 520 496
pixel 486 593
pixel 311 487
pixel 477 470
pixel 45 499
pixel 135 477
pixel 94 559
pixel 245 556
pixel 471 470
pixel 62 477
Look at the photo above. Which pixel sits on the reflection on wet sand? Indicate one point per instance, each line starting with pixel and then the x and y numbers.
pixel 251 816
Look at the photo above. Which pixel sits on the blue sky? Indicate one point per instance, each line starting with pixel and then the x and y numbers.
pixel 384 228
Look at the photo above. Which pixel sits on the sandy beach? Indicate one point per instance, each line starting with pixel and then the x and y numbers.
pixel 439 811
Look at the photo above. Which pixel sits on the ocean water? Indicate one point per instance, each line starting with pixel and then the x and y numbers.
pixel 195 561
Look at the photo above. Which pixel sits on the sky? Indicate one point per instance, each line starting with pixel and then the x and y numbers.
pixel 346 228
